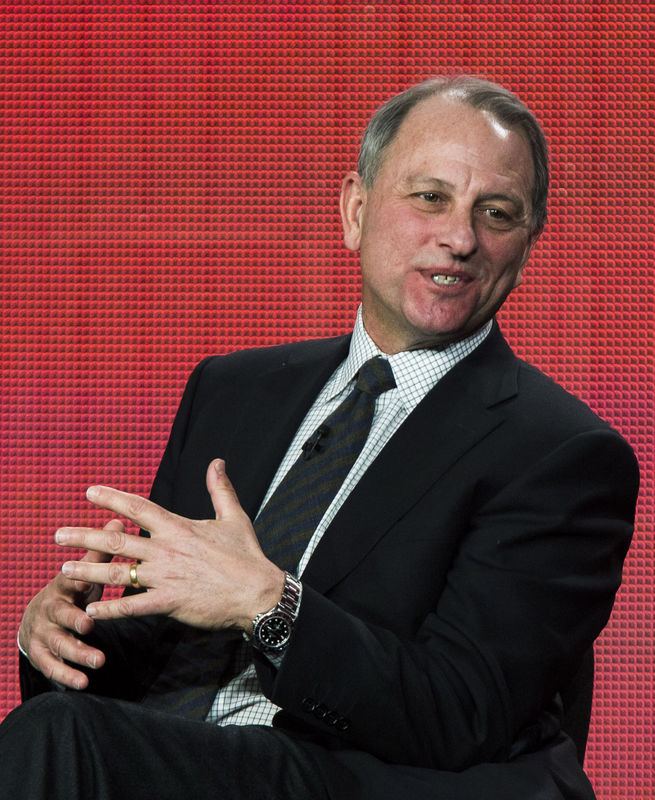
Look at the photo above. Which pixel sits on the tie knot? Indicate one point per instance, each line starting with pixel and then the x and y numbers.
pixel 375 376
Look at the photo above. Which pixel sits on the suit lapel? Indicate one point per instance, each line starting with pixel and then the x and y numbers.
pixel 271 416
pixel 463 408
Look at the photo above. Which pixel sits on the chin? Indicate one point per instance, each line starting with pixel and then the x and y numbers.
pixel 446 330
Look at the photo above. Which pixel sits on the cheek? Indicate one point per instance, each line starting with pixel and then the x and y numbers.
pixel 506 263
pixel 400 239
pixel 385 244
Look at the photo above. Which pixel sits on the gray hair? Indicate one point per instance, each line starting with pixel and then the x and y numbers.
pixel 477 93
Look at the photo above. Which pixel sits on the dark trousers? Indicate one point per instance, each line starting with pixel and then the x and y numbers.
pixel 69 746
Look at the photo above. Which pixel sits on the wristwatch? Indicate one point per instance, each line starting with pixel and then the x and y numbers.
pixel 272 630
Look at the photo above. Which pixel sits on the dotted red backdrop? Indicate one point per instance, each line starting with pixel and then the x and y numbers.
pixel 169 180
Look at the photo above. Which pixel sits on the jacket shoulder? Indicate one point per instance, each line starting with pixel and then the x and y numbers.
pixel 544 400
pixel 253 361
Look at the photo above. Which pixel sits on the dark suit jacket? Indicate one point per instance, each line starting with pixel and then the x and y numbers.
pixel 460 585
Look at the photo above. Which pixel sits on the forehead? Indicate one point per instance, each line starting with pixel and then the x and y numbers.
pixel 442 132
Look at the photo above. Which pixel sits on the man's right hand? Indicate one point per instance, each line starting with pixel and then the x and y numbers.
pixel 53 621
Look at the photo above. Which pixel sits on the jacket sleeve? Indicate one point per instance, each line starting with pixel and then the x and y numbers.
pixel 528 591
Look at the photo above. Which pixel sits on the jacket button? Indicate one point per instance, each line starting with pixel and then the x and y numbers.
pixel 332 718
pixel 308 704
pixel 321 711
pixel 342 724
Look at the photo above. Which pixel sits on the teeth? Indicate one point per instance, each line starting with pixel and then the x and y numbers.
pixel 445 279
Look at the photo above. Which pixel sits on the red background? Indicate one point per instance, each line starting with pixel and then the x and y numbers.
pixel 169 182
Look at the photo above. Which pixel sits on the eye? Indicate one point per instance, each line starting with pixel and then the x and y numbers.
pixel 498 218
pixel 430 197
pixel 496 213
pixel 430 201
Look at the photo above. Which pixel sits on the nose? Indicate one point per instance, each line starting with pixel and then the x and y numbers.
pixel 457 233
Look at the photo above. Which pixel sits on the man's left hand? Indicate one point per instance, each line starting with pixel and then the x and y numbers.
pixel 207 573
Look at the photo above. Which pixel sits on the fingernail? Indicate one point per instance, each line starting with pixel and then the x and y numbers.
pixel 92 492
pixel 91 611
pixel 67 568
pixel 219 466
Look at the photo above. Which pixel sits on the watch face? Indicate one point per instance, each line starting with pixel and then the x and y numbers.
pixel 274 631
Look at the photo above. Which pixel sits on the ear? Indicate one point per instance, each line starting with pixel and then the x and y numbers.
pixel 353 198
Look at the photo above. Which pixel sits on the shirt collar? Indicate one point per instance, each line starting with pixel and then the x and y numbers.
pixel 415 371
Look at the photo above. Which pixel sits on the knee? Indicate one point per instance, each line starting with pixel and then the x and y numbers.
pixel 41 706
pixel 54 703
pixel 53 712
pixel 44 748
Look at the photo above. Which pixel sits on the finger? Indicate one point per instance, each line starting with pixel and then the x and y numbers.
pixel 108 543
pixel 68 616
pixel 112 574
pixel 57 670
pixel 135 605
pixel 49 644
pixel 94 555
pixel 142 512
pixel 224 498
pixel 65 647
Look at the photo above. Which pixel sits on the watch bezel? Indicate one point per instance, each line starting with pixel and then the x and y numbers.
pixel 266 624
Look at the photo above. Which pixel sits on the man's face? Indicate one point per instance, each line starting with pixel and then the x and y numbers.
pixel 444 232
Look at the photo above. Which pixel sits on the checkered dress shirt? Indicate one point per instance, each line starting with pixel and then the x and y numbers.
pixel 241 701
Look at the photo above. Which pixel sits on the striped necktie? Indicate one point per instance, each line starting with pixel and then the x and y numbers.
pixel 288 520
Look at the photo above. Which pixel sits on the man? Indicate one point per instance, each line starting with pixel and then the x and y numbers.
pixel 448 593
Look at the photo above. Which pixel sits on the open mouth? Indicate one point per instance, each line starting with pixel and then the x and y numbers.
pixel 445 280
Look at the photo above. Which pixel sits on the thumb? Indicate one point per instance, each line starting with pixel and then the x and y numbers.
pixel 224 498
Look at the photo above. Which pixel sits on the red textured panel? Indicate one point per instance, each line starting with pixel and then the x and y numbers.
pixel 170 175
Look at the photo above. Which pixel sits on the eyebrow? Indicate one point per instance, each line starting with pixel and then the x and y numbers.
pixel 439 183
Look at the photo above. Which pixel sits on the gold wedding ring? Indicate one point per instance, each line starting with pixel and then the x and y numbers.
pixel 133 576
